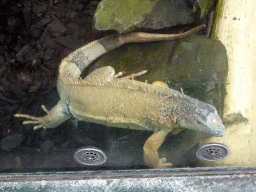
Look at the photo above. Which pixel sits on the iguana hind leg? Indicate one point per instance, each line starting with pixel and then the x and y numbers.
pixel 151 146
pixel 56 116
pixel 101 75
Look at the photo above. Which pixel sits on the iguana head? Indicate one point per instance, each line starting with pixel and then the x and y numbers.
pixel 199 116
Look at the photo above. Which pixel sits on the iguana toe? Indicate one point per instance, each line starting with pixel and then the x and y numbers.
pixel 163 164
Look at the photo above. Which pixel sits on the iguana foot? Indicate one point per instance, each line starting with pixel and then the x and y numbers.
pixel 38 121
pixel 54 117
pixel 163 164
pixel 151 146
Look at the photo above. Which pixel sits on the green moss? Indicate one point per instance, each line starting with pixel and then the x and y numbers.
pixel 234 118
pixel 204 6
pixel 121 15
pixel 124 16
pixel 218 14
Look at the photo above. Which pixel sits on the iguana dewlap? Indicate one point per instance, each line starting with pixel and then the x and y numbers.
pixel 106 98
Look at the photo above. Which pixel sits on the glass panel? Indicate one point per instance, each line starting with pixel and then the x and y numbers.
pixel 164 101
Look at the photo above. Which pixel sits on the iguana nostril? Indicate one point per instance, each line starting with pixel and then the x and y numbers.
pixel 212 152
pixel 90 156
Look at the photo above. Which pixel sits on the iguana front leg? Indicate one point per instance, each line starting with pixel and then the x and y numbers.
pixel 151 146
pixel 56 116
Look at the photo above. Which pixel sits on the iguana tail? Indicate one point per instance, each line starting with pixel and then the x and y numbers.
pixel 73 65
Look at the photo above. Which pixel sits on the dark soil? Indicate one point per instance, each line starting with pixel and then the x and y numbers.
pixel 34 37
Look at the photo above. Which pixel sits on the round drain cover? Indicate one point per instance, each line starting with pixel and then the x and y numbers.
pixel 212 152
pixel 90 156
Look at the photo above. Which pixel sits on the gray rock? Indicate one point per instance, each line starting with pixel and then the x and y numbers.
pixel 12 141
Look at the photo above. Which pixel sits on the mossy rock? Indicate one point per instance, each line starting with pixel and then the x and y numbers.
pixel 199 58
pixel 193 59
pixel 123 16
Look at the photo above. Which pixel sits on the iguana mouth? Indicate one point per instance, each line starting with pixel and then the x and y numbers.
pixel 215 124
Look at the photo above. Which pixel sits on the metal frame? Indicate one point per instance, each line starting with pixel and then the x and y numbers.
pixel 177 179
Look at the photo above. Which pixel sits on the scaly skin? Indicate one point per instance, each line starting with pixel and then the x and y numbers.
pixel 107 98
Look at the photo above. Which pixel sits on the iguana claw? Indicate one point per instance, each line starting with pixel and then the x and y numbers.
pixel 163 164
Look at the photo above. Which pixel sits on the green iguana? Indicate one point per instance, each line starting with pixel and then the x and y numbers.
pixel 106 98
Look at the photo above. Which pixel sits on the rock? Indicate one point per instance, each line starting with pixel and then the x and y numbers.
pixel 24 53
pixel 167 14
pixel 123 16
pixel 56 28
pixel 12 141
pixel 196 58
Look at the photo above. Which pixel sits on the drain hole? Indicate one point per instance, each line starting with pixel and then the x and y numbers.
pixel 90 156
pixel 212 152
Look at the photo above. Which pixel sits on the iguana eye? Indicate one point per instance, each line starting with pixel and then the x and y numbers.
pixel 198 122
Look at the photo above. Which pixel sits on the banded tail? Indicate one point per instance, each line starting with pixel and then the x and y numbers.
pixel 77 61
